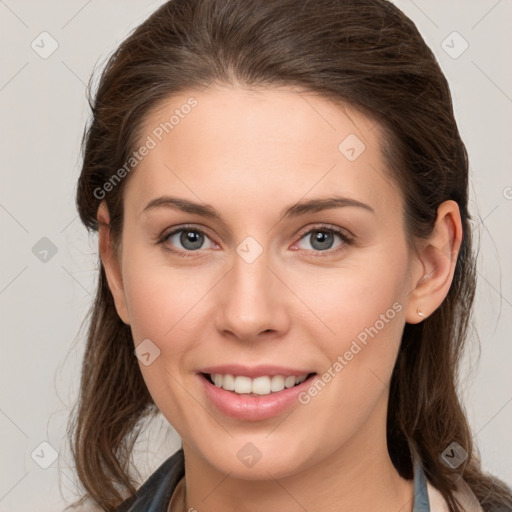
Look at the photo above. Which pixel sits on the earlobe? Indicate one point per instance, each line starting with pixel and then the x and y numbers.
pixel 438 257
pixel 110 262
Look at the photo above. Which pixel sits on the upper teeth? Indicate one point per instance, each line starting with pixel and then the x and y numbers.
pixel 260 385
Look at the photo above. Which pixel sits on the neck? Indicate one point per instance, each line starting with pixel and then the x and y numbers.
pixel 358 476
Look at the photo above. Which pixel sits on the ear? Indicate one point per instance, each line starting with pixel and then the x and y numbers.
pixel 110 262
pixel 436 264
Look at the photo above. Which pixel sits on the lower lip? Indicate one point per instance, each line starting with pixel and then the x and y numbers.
pixel 253 408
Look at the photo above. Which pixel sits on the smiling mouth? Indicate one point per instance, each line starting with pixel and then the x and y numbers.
pixel 259 386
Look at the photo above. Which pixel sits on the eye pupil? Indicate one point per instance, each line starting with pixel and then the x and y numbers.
pixel 193 237
pixel 325 239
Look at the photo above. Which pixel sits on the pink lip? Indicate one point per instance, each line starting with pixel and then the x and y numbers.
pixel 254 371
pixel 253 408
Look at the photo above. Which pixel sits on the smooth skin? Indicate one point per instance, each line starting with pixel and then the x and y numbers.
pixel 250 154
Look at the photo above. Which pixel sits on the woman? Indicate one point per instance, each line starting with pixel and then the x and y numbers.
pixel 280 191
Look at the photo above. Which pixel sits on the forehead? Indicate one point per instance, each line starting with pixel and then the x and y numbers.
pixel 249 145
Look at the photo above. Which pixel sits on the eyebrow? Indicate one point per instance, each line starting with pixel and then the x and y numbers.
pixel 295 210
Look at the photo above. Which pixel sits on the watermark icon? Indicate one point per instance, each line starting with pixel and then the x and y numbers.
pixel 454 45
pixel 44 45
pixel 321 381
pixel 249 249
pixel 507 192
pixel 454 455
pixel 351 147
pixel 151 142
pixel 44 250
pixel 44 455
pixel 249 454
pixel 147 352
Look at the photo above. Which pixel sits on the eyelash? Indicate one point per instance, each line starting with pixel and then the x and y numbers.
pixel 323 228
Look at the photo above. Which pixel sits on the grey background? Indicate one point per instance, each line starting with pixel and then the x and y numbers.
pixel 45 296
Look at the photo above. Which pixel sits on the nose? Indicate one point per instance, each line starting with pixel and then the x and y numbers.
pixel 252 301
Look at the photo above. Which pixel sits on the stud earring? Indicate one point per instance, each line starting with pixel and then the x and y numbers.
pixel 421 314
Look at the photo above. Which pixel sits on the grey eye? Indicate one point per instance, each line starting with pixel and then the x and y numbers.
pixel 189 239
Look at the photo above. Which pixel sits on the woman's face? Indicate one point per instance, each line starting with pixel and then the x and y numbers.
pixel 265 273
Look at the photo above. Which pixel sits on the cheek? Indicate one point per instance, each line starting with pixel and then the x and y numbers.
pixel 158 301
pixel 164 301
pixel 350 299
pixel 362 313
pixel 364 309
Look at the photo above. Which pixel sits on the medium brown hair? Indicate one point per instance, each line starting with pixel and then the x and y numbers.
pixel 365 53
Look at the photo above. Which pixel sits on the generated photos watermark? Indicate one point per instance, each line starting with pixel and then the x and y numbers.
pixel 358 343
pixel 151 142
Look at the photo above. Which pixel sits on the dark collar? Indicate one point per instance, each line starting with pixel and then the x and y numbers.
pixel 155 493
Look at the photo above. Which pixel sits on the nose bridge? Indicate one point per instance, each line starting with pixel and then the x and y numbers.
pixel 251 304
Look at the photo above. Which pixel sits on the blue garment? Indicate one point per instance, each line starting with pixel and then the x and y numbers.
pixel 155 493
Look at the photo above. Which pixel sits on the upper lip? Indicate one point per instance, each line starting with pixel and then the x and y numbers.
pixel 254 371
